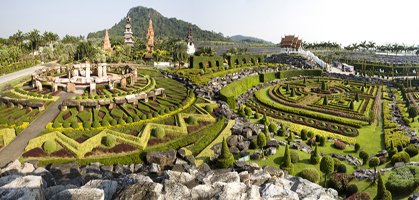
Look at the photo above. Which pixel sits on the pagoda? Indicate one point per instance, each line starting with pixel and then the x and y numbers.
pixel 128 39
pixel 190 44
pixel 150 37
pixel 107 42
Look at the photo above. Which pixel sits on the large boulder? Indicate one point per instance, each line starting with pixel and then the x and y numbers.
pixel 108 186
pixel 26 187
pixel 309 190
pixel 228 177
pixel 14 167
pixel 142 190
pixel 234 190
pixel 81 193
pixel 204 191
pixel 48 178
pixel 51 191
pixel 277 191
pixel 259 177
pixel 68 173
pixel 174 190
pixel 181 177
pixel 163 158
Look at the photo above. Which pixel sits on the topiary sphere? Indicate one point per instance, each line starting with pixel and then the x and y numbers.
pixel 158 132
pixel 209 108
pixel 49 146
pixel 310 174
pixel 129 120
pixel 108 140
pixel 191 120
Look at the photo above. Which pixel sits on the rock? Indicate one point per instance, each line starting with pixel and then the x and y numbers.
pixel 142 190
pixel 233 140
pixel 244 177
pixel 259 177
pixel 131 179
pixel 228 177
pixel 137 167
pixel 204 192
pixel 181 177
pixel 68 173
pixel 270 151
pixel 174 190
pixel 240 166
pixel 272 143
pixel 121 169
pixel 234 150
pixel 180 161
pixel 109 187
pixel 181 152
pixel 216 148
pixel 9 178
pixel 274 172
pixel 82 193
pixel 309 190
pixel 51 191
pixel 163 158
pixel 244 153
pixel 253 192
pixel 27 168
pixel 233 190
pixel 48 178
pixel 190 159
pixel 276 191
pixel 106 168
pixel 243 145
pixel 26 187
pixel 14 167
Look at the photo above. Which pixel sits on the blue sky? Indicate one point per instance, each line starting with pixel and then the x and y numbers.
pixel 344 21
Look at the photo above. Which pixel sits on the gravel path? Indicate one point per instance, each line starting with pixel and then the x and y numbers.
pixel 18 74
pixel 15 149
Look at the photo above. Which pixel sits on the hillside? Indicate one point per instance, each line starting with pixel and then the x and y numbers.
pixel 242 38
pixel 163 27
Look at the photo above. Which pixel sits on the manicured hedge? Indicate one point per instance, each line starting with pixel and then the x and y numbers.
pixel 294 73
pixel 205 61
pixel 267 77
pixel 245 59
pixel 211 134
pixel 233 90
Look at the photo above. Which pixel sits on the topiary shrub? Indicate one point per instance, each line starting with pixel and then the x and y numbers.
pixel 248 111
pixel 322 141
pixel 149 115
pixel 155 114
pixel 136 118
pixel 364 156
pixel 66 124
pixel 226 158
pixel 121 121
pixel 209 108
pixel 158 132
pixel 351 189
pixel 327 166
pixel 49 146
pixel 56 124
pixel 294 157
pixel 400 157
pixel 272 128
pixel 286 161
pixel 129 120
pixel 315 156
pixel 191 120
pixel 403 180
pixel 96 124
pixel 412 150
pixel 105 122
pixel 303 134
pixel 339 182
pixel 282 131
pixel 310 134
pixel 357 147
pixel 108 140
pixel 143 117
pixel 74 124
pixel 339 145
pixel 310 174
pixel 87 125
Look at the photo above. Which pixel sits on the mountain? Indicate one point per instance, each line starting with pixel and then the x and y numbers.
pixel 242 38
pixel 163 27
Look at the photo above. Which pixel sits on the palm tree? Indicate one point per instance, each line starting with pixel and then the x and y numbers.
pixel 34 39
pixel 179 52
pixel 50 37
pixel 17 38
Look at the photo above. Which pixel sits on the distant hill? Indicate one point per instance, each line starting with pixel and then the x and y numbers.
pixel 242 38
pixel 163 27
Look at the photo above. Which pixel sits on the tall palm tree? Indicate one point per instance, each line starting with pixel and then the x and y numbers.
pixel 17 38
pixel 34 39
pixel 50 37
pixel 179 52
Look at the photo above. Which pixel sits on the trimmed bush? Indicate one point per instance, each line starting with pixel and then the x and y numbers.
pixel 56 124
pixel 96 124
pixel 310 134
pixel 129 120
pixel 357 147
pixel 248 111
pixel 403 180
pixel 294 157
pixel 87 125
pixel 339 145
pixel 322 141
pixel 310 174
pixel 364 156
pixel 400 157
pixel 49 146
pixel 412 150
pixel 158 132
pixel 315 156
pixel 286 161
pixel 66 124
pixel 121 121
pixel 327 166
pixel 339 182
pixel 273 128
pixel 303 134
pixel 226 158
pixel 191 120
pixel 209 108
pixel 74 124
pixel 105 122
pixel 261 140
pixel 351 189
pixel 282 130
pixel 108 140
pixel 230 92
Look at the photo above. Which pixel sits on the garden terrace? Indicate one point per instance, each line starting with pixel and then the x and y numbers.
pixel 243 60
pixel 201 62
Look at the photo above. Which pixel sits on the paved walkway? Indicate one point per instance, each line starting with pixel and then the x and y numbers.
pixel 15 75
pixel 15 149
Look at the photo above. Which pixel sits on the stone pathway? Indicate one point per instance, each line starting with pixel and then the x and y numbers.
pixel 15 149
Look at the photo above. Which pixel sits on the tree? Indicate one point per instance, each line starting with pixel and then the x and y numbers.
pixel 282 130
pixel 86 51
pixel 261 140
pixel 327 167
pixel 357 147
pixel 226 158
pixel 413 112
pixel 34 39
pixel 290 137
pixel 325 101
pixel 303 134
pixel 287 88
pixel 286 161
pixel 382 192
pixel 179 52
pixel 351 105
pixel 50 37
pixel 392 150
pixel 374 162
pixel 292 92
pixel 273 128
pixel 315 156
pixel 364 156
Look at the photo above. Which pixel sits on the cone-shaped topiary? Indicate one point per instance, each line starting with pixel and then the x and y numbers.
pixel 286 161
pixel 315 156
pixel 351 105
pixel 282 130
pixel 293 92
pixel 382 192
pixel 290 137
pixel 356 97
pixel 261 140
pixel 325 100
pixel 226 158
pixel 303 134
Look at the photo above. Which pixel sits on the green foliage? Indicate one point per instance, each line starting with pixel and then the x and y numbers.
pixel 400 157
pixel 272 128
pixel 310 134
pixel 294 73
pixel 357 147
pixel 267 77
pixel 315 156
pixel 339 182
pixel 322 141
pixel 158 132
pixel 374 162
pixel 413 112
pixel 49 146
pixel 121 121
pixel 295 157
pixel 310 174
pixel 108 140
pixel 364 156
pixel 233 90
pixel 56 124
pixel 403 180
pixel 303 134
pixel 191 120
pixel 261 140
pixel 204 62
pixel 357 97
pixel 286 161
pixel 327 166
pixel 412 150
pixel 381 189
pixel 351 189
pixel 282 130
pixel 290 137
pixel 226 159
pixel 351 105
pixel 87 125
pixel 292 92
pixel 325 101
pixel 74 124
pixel 211 133
pixel 209 108
pixel 129 120
pixel 105 122
pixel 246 59
pixel 96 124
pixel 248 111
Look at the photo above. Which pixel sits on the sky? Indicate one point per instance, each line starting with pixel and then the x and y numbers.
pixel 341 21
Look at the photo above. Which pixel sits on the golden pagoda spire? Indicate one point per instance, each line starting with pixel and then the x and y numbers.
pixel 107 42
pixel 150 36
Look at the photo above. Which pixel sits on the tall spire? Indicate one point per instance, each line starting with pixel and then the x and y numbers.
pixel 107 42
pixel 150 36
pixel 128 39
